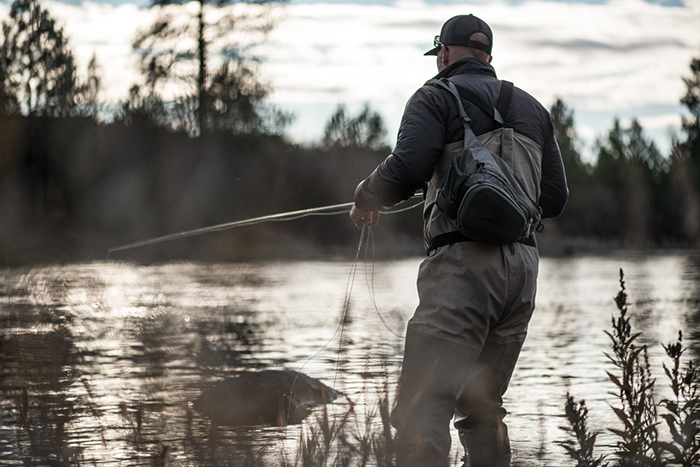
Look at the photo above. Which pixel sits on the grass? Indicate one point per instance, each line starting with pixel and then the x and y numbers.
pixel 345 441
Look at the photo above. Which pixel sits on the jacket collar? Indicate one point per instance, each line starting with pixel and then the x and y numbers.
pixel 467 66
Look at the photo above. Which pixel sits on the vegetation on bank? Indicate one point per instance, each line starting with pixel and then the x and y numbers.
pixel 80 176
pixel 639 443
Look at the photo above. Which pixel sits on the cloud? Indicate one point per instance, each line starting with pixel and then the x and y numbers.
pixel 106 31
pixel 592 45
pixel 608 58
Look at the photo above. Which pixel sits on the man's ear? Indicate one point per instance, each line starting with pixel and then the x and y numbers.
pixel 445 56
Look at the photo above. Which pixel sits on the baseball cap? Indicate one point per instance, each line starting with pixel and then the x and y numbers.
pixel 458 30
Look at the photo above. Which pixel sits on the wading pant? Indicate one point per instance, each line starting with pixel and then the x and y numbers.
pixel 462 345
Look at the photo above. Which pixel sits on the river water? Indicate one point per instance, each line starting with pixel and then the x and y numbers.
pixel 100 362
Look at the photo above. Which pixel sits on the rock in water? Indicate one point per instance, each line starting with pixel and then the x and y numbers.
pixel 270 397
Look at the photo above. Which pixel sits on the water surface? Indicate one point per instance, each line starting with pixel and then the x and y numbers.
pixel 100 362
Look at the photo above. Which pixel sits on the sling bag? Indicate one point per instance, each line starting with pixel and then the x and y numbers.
pixel 480 193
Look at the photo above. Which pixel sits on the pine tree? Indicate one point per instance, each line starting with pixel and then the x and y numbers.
pixel 366 130
pixel 38 69
pixel 685 159
pixel 180 50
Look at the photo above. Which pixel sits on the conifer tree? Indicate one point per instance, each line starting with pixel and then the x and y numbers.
pixel 181 48
pixel 685 159
pixel 38 70
pixel 576 219
pixel 630 169
pixel 366 130
pixel 691 124
pixel 568 142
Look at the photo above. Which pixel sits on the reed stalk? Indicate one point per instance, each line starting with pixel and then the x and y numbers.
pixel 638 443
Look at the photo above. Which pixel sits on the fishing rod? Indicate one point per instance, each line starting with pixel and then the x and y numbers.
pixel 330 210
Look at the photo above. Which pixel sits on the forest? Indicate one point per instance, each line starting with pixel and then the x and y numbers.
pixel 79 176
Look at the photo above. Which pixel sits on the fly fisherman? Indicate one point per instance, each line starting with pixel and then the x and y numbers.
pixel 476 299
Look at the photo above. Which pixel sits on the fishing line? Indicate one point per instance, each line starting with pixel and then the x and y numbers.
pixel 331 210
pixel 341 324
pixel 349 286
pixel 369 280
pixel 340 328
pixel 284 216
pixel 370 286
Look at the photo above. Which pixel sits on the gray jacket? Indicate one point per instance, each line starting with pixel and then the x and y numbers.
pixel 431 133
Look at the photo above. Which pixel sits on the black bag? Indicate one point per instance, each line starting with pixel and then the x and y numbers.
pixel 480 192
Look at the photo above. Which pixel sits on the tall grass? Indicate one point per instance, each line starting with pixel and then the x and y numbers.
pixel 638 443
pixel 347 440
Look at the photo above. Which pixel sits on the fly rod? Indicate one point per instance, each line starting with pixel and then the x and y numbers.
pixel 283 216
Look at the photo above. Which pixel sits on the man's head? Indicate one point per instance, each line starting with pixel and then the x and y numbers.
pixel 463 36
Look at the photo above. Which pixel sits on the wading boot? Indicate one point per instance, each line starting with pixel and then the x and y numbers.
pixel 485 445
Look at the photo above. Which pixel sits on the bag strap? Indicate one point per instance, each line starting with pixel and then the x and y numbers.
pixel 447 84
pixel 457 237
pixel 497 113
pixel 504 98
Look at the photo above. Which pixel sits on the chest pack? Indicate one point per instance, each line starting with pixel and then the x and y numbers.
pixel 480 193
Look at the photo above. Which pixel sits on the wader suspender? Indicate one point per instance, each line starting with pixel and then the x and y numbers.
pixel 497 114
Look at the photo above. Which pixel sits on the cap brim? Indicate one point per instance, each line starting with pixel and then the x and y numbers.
pixel 433 51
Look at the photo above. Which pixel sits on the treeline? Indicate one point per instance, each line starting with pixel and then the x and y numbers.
pixel 633 195
pixel 73 188
pixel 77 178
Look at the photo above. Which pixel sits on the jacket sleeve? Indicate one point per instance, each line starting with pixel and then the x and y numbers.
pixel 410 165
pixel 554 191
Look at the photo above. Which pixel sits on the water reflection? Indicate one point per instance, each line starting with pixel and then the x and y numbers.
pixel 101 363
pixel 691 274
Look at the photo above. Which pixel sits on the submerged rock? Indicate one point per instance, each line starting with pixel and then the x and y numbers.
pixel 270 397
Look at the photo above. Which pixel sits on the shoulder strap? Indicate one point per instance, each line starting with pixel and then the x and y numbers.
pixel 504 97
pixel 447 84
pixel 497 113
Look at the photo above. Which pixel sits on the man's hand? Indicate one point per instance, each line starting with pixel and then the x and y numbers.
pixel 363 218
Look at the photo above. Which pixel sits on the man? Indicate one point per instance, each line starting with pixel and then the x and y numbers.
pixel 476 299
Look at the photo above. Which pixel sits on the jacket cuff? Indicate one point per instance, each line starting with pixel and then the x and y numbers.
pixel 366 199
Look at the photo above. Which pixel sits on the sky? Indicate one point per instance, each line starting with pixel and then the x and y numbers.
pixel 605 59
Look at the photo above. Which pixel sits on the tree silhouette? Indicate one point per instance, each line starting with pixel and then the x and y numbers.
pixel 575 219
pixel 182 46
pixel 88 98
pixel 38 69
pixel 645 168
pixel 631 172
pixel 685 158
pixel 366 130
pixel 691 124
pixel 569 143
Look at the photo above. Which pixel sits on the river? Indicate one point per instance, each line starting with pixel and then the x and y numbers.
pixel 100 362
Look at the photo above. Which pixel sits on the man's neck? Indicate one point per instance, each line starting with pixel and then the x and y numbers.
pixel 467 65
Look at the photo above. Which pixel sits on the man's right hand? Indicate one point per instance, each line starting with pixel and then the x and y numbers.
pixel 363 218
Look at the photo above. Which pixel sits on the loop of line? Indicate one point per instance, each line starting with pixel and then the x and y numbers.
pixel 341 323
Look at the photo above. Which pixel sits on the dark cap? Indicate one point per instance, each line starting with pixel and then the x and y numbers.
pixel 458 31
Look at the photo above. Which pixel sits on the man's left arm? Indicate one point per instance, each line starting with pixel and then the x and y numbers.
pixel 554 191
